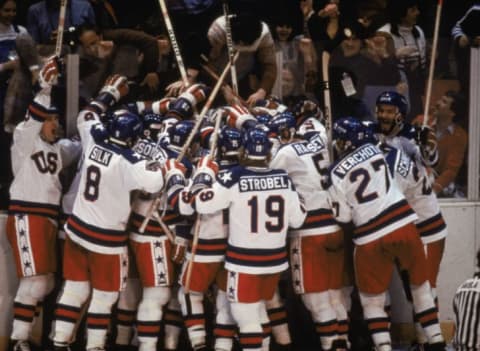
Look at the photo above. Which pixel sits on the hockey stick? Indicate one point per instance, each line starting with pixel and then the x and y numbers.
pixel 60 28
pixel 215 76
pixel 231 53
pixel 213 94
pixel 432 63
pixel 196 232
pixel 327 110
pixel 173 40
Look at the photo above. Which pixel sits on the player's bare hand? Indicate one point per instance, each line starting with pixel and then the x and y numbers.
pixel 260 94
pixel 151 81
pixel 175 88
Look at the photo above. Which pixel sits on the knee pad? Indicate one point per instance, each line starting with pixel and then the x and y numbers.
pixel 102 301
pixel 74 293
pixel 247 316
pixel 319 306
pixel 338 303
pixel 224 315
pixel 191 303
pixel 40 286
pixel 160 294
pixel 373 304
pixel 422 296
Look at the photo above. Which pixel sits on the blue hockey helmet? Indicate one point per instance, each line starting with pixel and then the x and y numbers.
pixel 348 133
pixel 125 128
pixel 282 125
pixel 230 141
pixel 179 134
pixel 395 99
pixel 256 144
pixel 152 125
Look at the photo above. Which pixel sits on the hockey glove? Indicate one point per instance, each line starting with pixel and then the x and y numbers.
pixel 48 75
pixel 205 175
pixel 239 117
pixel 113 90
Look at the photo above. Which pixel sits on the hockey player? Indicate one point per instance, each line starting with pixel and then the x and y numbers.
pixel 316 248
pixel 37 153
pixel 262 205
pixel 362 191
pixel 391 110
pixel 152 248
pixel 210 254
pixel 96 244
pixel 420 143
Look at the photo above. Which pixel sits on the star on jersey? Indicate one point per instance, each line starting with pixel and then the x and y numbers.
pixel 225 177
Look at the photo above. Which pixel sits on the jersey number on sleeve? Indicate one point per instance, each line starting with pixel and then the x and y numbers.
pixel 92 183
pixel 274 208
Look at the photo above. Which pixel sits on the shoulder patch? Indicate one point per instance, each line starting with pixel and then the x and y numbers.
pixel 229 177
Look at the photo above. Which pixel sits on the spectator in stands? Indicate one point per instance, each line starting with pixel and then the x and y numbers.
pixel 466 34
pixel 347 73
pixel 21 83
pixel 449 112
pixel 42 19
pixel 116 51
pixel 349 56
pixel 381 73
pixel 327 19
pixel 410 49
pixel 256 65
pixel 167 69
pixel 9 61
pixel 298 56
pixel 105 15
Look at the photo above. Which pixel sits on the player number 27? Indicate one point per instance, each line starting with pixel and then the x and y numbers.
pixel 365 179
pixel 274 208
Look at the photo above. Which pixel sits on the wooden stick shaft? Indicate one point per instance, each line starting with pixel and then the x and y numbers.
pixel 431 70
pixel 173 41
pixel 60 28
pixel 231 53
pixel 215 76
pixel 327 102
pixel 213 94
pixel 165 228
pixel 196 232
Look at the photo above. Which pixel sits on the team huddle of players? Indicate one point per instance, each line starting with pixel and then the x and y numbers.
pixel 238 197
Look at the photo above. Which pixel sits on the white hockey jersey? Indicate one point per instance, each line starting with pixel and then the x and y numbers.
pixel 363 191
pixel 36 164
pixel 306 163
pixel 415 185
pixel 213 230
pixel 262 204
pixel 109 173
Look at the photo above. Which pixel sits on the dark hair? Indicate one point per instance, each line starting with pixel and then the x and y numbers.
pixel 397 9
pixel 246 28
pixel 2 2
pixel 458 106
pixel 86 28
